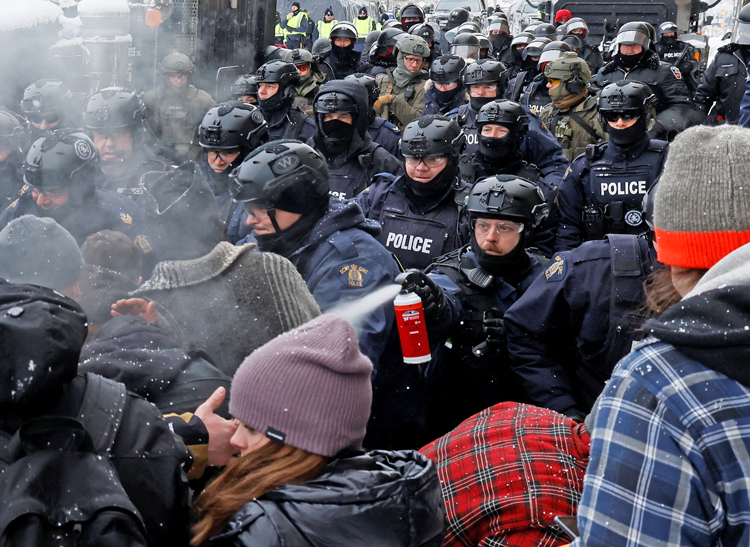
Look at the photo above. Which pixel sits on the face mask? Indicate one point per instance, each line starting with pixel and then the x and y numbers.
pixel 516 55
pixel 275 102
pixel 408 25
pixel 342 51
pixel 498 41
pixel 497 149
pixel 336 130
pixel 478 102
pixel 629 136
pixel 362 17
pixel 629 61
pixel 668 40
pixel 444 97
pixel 437 187
pixel 512 267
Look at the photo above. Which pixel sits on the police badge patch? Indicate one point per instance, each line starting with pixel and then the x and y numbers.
pixel 83 150
pixel 352 275
pixel 556 269
pixel 634 217
pixel 676 72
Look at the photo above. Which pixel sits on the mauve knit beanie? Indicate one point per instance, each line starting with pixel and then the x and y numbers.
pixel 309 388
pixel 702 205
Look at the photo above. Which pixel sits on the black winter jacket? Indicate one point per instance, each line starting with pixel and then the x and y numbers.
pixel 720 91
pixel 377 499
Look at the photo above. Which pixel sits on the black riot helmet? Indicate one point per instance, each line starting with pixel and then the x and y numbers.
pixel 411 11
pixel 433 136
pixel 392 23
pixel 546 30
pixel 321 48
pixel 503 112
pixel 344 29
pixel 62 158
pixel 507 197
pixel 44 96
pixel 465 45
pixel 635 32
pixel 385 50
pixel 114 108
pixel 576 23
pixel 457 17
pixel 647 206
pixel 469 26
pixel 244 86
pixel 667 27
pixel 742 32
pixel 447 69
pixel 370 83
pixel 484 45
pixel 627 96
pixel 486 72
pixel 330 101
pixel 282 73
pixel 424 31
pixel 522 39
pixel 552 51
pixel 536 47
pixel 574 41
pixel 231 125
pixel 370 40
pixel 284 174
pixel 274 53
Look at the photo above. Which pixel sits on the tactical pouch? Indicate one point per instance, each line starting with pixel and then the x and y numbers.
pixel 593 222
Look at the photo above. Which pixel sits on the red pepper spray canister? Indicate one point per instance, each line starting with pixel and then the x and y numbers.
pixel 412 329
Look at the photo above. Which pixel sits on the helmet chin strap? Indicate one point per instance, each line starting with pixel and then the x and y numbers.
pixel 272 215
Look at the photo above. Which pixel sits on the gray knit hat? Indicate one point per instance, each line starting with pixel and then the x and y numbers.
pixel 702 206
pixel 309 388
pixel 38 251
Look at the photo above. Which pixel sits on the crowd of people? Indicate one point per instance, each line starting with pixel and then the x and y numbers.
pixel 197 327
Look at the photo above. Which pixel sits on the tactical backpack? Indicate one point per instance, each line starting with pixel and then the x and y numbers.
pixel 58 486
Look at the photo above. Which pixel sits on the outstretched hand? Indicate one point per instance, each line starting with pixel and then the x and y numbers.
pixel 220 431
pixel 135 306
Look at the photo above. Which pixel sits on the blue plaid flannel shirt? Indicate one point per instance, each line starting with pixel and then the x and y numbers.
pixel 670 456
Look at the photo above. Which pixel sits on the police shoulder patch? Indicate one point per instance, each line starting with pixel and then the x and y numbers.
pixel 676 72
pixel 352 275
pixel 556 269
pixel 143 243
pixel 126 218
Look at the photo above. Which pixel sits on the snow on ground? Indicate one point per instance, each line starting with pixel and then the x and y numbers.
pixel 27 14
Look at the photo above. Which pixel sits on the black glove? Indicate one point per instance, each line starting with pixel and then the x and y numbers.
pixel 433 299
pixel 495 331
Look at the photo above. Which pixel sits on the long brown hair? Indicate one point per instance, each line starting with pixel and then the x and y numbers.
pixel 250 477
pixel 661 292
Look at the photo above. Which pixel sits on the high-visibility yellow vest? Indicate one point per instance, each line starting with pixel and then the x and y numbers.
pixel 279 33
pixel 324 29
pixel 297 24
pixel 364 26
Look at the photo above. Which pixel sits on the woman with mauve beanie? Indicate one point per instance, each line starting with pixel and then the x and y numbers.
pixel 301 478
pixel 671 433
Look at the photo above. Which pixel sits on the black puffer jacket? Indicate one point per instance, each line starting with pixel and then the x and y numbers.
pixel 378 499
pixel 722 86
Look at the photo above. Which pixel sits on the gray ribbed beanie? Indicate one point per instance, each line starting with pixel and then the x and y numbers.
pixel 702 206
pixel 38 251
pixel 309 388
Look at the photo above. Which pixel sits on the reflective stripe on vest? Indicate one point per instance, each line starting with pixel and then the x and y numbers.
pixel 324 29
pixel 295 23
pixel 364 26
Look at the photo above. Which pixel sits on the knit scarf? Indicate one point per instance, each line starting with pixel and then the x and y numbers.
pixel 570 101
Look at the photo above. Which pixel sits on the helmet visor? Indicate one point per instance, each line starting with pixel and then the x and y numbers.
pixel 632 37
pixel 743 34
pixel 466 51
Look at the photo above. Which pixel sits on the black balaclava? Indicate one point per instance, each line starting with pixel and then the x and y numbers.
pixel 343 53
pixel 512 267
pixel 219 182
pixel 338 135
pixel 276 103
pixel 668 40
pixel 425 194
pixel 498 41
pixel 477 103
pixel 630 136
pixel 528 64
pixel 286 242
pixel 362 14
pixel 445 97
pixel 516 56
pixel 500 154
pixel 630 61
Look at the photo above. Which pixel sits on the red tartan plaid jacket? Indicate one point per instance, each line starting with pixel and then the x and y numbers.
pixel 507 472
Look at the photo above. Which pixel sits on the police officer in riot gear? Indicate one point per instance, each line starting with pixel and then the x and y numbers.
pixel 602 192
pixel 245 89
pixel 635 61
pixel 342 59
pixel 283 185
pixel 588 52
pixel 485 82
pixel 60 176
pixel 427 33
pixel 421 211
pixel 456 18
pixel 502 127
pixel 500 40
pixel 675 52
pixel 411 15
pixel 518 61
pixel 535 95
pixel 722 86
pixel 228 133
pixel 381 131
pixel 43 105
pixel 531 69
pixel 176 108
pixel 277 81
pixel 578 319
pixel 311 78
pixel 11 177
pixel 447 91
pixel 467 293
pixel 115 119
pixel 342 117
pixel 466 46
pixel 572 116
pixel 402 89
pixel 385 55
